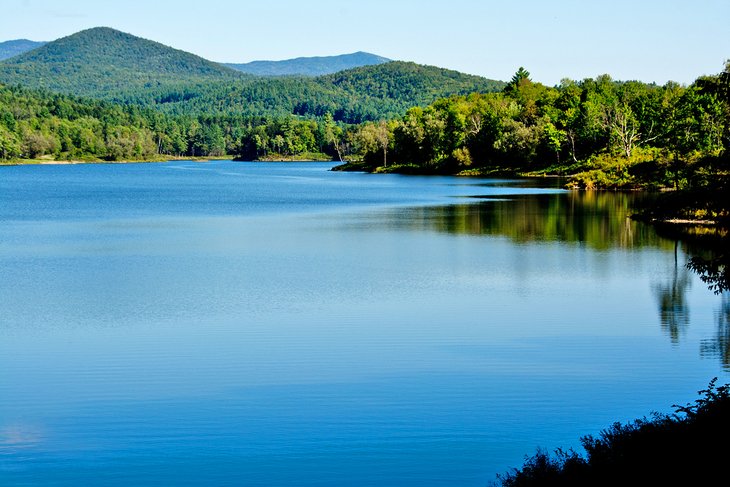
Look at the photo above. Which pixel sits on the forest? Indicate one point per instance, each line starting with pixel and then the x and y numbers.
pixel 43 125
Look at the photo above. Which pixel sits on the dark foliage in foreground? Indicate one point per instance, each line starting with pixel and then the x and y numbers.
pixel 685 448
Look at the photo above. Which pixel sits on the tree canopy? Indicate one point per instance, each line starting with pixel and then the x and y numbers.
pixel 612 133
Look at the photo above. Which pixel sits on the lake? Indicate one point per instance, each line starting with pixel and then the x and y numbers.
pixel 270 324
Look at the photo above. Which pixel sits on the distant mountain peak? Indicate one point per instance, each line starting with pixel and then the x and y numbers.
pixel 103 46
pixel 310 66
pixel 102 59
pixel 16 47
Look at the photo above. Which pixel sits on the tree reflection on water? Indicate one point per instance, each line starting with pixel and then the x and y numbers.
pixel 602 220
pixel 599 220
pixel 712 271
pixel 672 299
pixel 719 345
pixel 706 248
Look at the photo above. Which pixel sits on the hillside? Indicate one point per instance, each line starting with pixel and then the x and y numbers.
pixel 353 96
pixel 15 47
pixel 310 66
pixel 103 61
pixel 409 82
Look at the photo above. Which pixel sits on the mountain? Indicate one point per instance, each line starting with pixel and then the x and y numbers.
pixel 310 66
pixel 9 49
pixel 102 61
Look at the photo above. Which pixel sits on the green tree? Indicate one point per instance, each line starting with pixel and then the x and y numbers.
pixel 332 134
pixel 554 138
pixel 9 144
pixel 375 137
pixel 519 76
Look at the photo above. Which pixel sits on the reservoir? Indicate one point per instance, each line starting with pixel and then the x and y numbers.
pixel 271 324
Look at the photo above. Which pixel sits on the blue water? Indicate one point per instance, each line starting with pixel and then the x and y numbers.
pixel 276 324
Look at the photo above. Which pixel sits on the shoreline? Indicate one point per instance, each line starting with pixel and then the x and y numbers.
pixel 230 157
pixel 68 162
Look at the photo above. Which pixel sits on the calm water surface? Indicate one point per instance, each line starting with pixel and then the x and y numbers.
pixel 280 324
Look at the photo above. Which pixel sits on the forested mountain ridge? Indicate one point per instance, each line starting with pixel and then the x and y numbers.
pixel 400 80
pixel 111 65
pixel 309 66
pixel 16 47
pixel 107 47
pixel 352 96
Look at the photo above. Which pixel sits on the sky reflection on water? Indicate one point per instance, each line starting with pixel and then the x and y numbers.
pixel 229 324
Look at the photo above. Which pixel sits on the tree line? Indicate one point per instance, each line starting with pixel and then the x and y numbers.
pixel 610 133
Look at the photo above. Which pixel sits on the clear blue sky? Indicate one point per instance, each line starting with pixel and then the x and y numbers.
pixel 649 40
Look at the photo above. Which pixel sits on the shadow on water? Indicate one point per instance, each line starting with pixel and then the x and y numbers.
pixel 719 345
